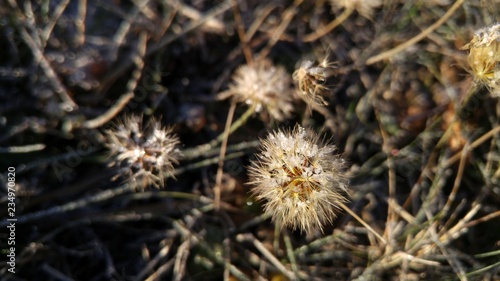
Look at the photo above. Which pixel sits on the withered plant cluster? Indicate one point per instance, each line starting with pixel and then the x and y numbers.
pixel 251 140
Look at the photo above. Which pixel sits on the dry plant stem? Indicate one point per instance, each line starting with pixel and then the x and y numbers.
pixel 161 270
pixel 145 10
pixel 192 153
pixel 202 149
pixel 47 31
pixel 107 194
pixel 329 27
pixel 360 220
pixel 150 266
pixel 138 60
pixel 122 68
pixel 58 87
pixel 262 15
pixel 71 206
pixel 290 253
pixel 482 219
pixel 122 31
pixel 285 20
pixel 452 260
pixel 184 231
pixel 166 19
pixel 219 9
pixel 266 253
pixel 329 118
pixel 54 273
pixel 241 33
pixel 218 177
pixel 458 180
pixel 472 146
pixel 227 258
pixel 195 15
pixel 80 23
pixel 23 149
pixel 181 256
pixel 392 216
pixel 420 36
pixel 457 230
pixel 110 113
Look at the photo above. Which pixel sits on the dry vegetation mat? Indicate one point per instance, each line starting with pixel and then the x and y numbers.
pixel 250 140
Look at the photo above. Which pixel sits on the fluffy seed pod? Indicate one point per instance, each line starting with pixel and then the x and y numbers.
pixel 484 57
pixel 266 86
pixel 310 79
pixel 300 178
pixel 144 154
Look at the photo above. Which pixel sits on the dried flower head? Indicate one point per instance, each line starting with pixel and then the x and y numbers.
pixel 266 86
pixel 300 178
pixel 310 79
pixel 484 57
pixel 363 7
pixel 145 154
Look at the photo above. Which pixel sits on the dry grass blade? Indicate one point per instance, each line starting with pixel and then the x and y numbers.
pixel 422 35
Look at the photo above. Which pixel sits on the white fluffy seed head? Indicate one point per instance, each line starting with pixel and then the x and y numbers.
pixel 145 154
pixel 266 86
pixel 300 179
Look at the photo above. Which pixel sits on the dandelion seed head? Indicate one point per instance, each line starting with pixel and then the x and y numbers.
pixel 300 179
pixel 146 154
pixel 310 79
pixel 266 86
pixel 484 57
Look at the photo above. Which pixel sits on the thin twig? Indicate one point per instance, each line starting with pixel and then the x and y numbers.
pixel 23 149
pixel 110 113
pixel 199 150
pixel 47 31
pixel 472 146
pixel 290 253
pixel 329 27
pixel 138 60
pixel 285 20
pixel 266 253
pixel 58 87
pixel 360 220
pixel 420 36
pixel 80 23
pixel 240 28
pixel 222 154
pixel 458 180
